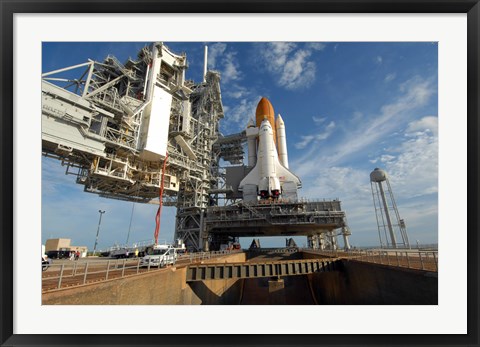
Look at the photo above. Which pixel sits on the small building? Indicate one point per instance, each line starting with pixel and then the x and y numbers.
pixel 82 249
pixel 57 244
pixel 62 248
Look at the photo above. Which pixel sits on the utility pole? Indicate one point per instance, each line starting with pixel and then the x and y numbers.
pixel 98 230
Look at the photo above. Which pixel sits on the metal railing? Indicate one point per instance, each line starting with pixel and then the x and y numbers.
pixel 411 259
pixel 408 258
pixel 324 252
pixel 199 256
pixel 72 273
pixel 286 250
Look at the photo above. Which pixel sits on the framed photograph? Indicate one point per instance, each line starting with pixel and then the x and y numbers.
pixel 358 84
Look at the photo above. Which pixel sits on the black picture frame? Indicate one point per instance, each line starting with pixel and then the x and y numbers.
pixel 10 7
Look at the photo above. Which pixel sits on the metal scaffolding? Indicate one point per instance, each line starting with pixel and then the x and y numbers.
pixel 96 121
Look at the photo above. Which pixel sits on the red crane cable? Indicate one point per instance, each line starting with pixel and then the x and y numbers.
pixel 159 212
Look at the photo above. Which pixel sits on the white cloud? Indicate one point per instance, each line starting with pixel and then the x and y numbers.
pixel 327 132
pixel 298 72
pixel 214 51
pixel 224 61
pixel 412 165
pixel 319 120
pixel 53 181
pixel 386 158
pixel 307 139
pixel 236 91
pixel 352 187
pixel 390 77
pixel 292 66
pixel 413 173
pixel 277 53
pixel 230 70
pixel 415 170
pixel 429 123
pixel 357 116
pixel 339 182
pixel 317 46
pixel 237 116
pixel 418 90
pixel 415 93
pixel 379 59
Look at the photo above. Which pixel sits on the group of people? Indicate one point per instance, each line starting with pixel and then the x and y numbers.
pixel 74 255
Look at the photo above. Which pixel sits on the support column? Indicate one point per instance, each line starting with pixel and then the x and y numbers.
pixel 321 241
pixel 333 240
pixel 346 233
pixel 310 241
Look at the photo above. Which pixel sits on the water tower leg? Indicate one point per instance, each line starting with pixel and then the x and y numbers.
pixel 387 216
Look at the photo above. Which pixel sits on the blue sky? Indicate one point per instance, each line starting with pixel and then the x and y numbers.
pixel 347 107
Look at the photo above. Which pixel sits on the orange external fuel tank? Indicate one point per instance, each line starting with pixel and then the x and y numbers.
pixel 265 109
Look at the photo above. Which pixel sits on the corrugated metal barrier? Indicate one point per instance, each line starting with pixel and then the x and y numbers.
pixel 255 270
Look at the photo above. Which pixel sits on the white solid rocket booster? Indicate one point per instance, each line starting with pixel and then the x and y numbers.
pixel 281 141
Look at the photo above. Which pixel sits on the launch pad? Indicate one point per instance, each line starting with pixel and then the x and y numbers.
pixel 141 132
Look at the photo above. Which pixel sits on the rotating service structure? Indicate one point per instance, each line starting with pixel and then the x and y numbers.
pixel 112 125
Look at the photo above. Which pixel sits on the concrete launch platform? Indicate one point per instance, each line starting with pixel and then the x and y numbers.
pixel 349 281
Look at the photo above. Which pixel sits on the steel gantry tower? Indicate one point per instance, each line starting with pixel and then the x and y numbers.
pixel 113 125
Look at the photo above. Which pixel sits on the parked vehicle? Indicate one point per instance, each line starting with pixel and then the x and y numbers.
pixel 45 262
pixel 160 256
pixel 121 252
pixel 61 254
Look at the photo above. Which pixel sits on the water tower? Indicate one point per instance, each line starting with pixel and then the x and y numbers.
pixel 388 220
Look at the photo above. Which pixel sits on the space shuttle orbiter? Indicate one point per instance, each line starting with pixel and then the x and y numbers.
pixel 270 174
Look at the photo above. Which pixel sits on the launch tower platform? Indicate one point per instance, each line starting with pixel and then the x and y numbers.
pixel 317 220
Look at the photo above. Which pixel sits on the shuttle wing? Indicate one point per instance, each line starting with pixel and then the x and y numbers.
pixel 285 175
pixel 251 178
